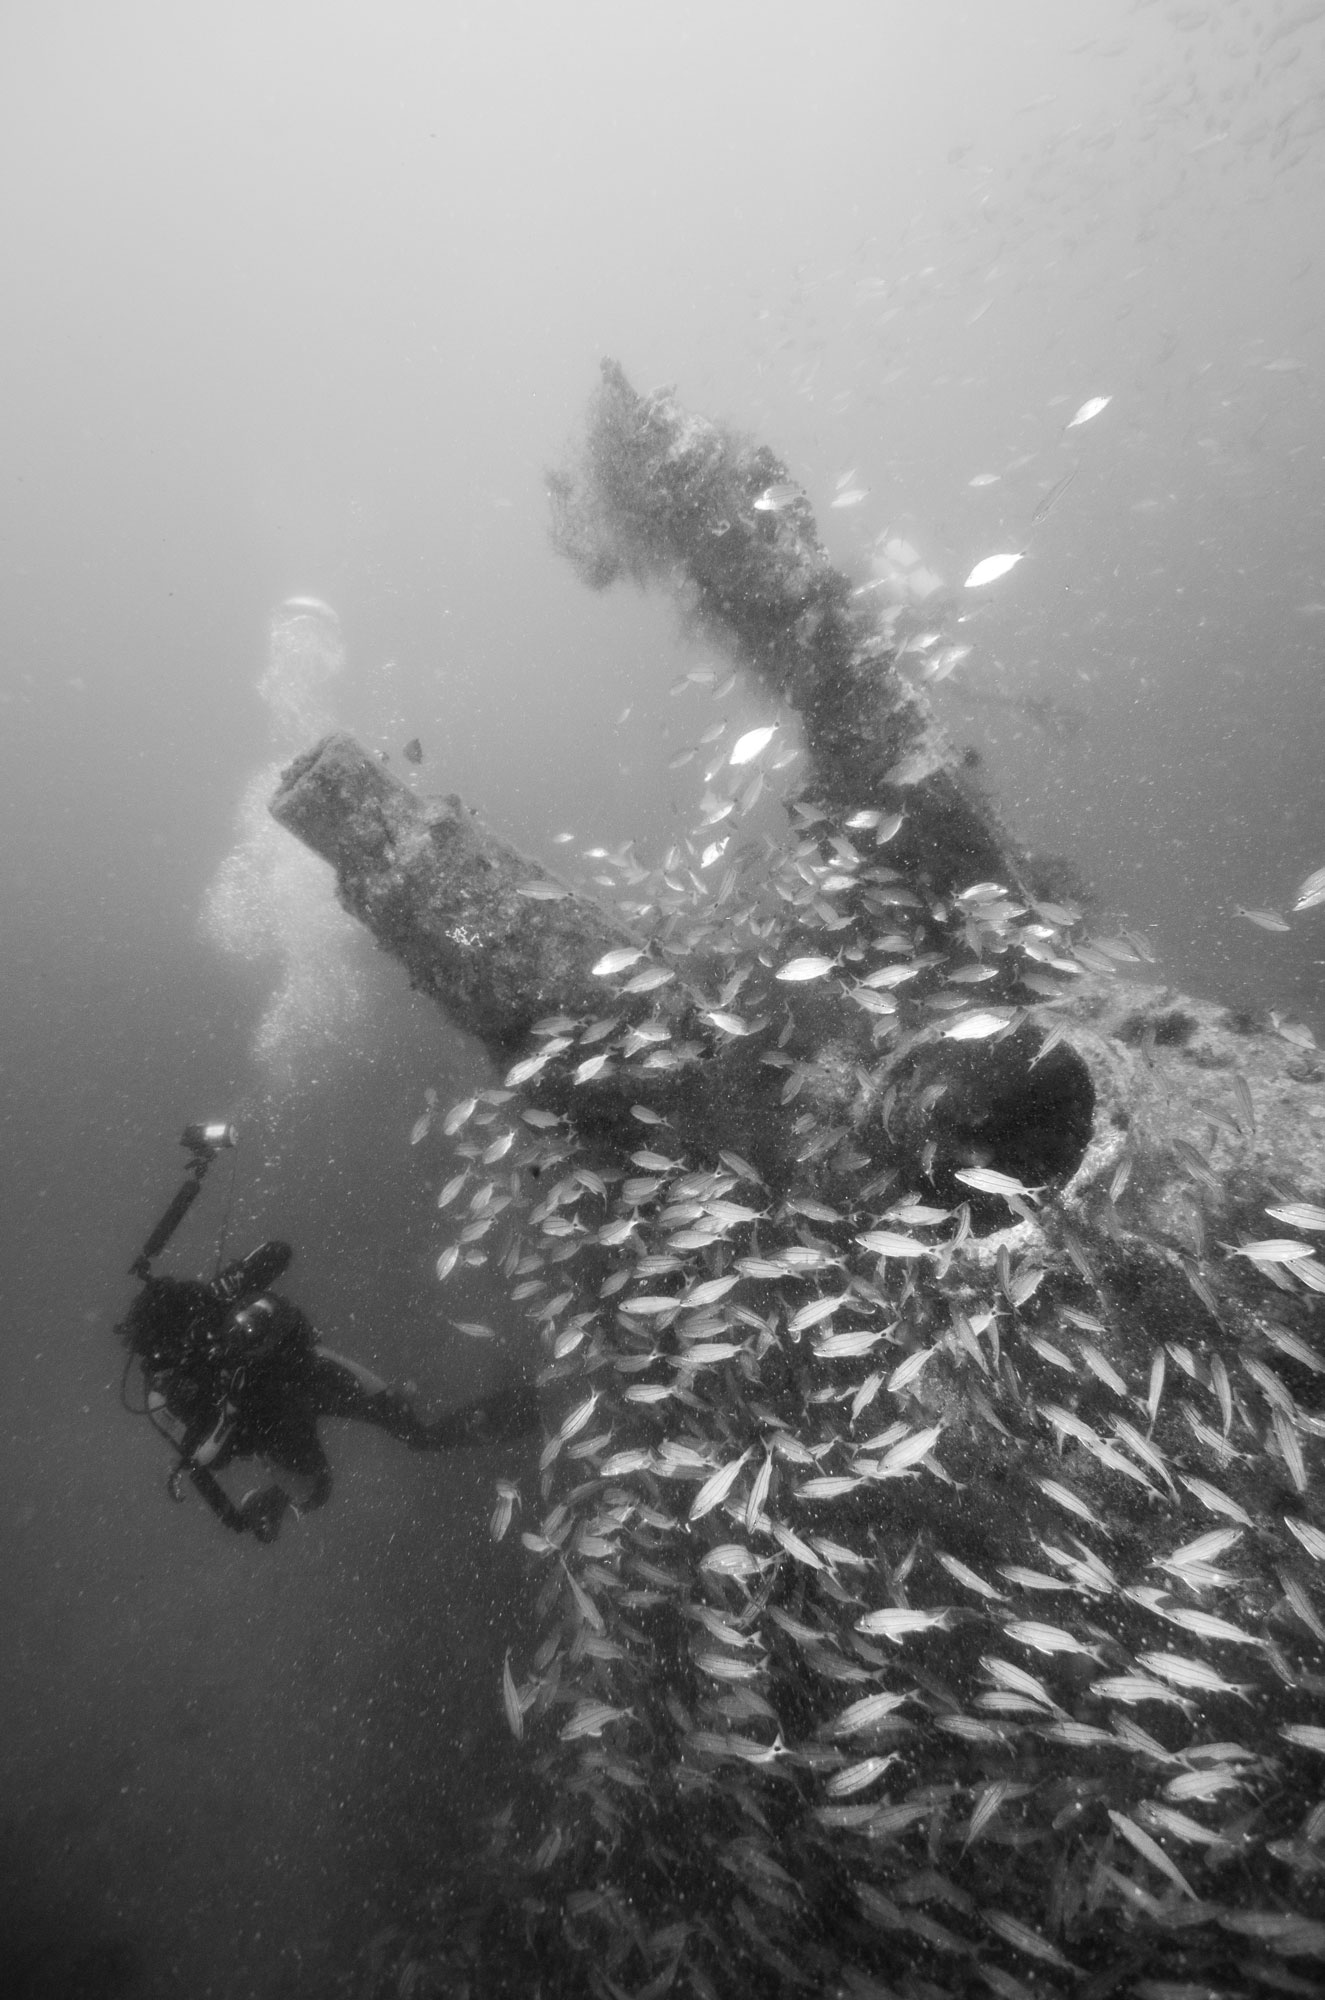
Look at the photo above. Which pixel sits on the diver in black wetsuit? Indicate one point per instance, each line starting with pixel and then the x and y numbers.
pixel 232 1370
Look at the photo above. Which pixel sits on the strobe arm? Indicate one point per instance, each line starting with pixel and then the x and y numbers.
pixel 204 1142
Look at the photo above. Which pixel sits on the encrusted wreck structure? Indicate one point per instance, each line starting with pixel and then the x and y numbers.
pixel 928 1538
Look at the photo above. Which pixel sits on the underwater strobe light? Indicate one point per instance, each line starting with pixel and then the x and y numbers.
pixel 207 1139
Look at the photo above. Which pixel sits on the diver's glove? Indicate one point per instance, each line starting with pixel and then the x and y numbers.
pixel 500 1418
pixel 261 1513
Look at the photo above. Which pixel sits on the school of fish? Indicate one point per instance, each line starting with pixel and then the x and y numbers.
pixel 801 1718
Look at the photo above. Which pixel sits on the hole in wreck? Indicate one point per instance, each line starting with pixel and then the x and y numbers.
pixel 992 1105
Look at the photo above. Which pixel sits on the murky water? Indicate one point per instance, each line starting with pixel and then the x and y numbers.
pixel 301 305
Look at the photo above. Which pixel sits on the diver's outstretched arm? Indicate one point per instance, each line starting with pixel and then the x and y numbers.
pixel 498 1418
pixel 362 1378
pixel 339 1387
pixel 343 1388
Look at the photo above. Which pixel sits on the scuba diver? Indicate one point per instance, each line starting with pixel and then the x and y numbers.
pixel 234 1371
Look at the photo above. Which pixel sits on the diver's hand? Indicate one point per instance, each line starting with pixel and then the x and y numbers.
pixel 262 1513
pixel 511 1413
pixel 499 1418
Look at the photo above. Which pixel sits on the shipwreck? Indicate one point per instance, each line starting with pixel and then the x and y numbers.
pixel 928 1544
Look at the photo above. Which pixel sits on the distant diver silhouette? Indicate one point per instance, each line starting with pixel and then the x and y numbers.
pixel 233 1371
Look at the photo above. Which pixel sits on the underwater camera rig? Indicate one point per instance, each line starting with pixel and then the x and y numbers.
pixel 203 1142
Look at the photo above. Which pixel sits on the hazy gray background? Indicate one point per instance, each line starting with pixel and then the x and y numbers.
pixel 304 298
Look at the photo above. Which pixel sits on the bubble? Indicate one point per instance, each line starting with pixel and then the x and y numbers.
pixel 273 899
pixel 305 653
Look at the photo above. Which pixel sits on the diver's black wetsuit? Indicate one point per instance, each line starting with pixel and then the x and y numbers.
pixel 240 1371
